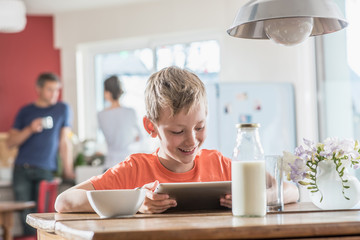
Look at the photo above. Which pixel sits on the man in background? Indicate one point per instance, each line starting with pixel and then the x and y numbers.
pixel 40 131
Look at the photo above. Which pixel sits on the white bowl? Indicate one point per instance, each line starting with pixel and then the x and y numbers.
pixel 116 203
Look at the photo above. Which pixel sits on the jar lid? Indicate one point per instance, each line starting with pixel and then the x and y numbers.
pixel 248 125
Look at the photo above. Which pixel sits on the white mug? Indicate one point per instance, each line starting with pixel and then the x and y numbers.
pixel 47 122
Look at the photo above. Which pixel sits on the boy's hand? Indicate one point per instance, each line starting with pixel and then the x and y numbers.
pixel 155 202
pixel 226 201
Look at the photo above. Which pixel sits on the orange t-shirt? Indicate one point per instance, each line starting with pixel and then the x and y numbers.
pixel 140 169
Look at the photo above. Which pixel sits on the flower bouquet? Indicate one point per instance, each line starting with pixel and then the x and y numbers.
pixel 324 169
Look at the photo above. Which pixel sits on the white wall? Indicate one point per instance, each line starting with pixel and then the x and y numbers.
pixel 241 59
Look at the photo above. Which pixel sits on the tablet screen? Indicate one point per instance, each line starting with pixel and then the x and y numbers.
pixel 196 195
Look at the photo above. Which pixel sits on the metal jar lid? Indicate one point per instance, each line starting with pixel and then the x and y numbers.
pixel 248 125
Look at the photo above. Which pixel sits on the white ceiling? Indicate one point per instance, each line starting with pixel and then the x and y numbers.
pixel 46 7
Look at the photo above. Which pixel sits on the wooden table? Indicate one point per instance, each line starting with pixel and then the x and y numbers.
pixel 7 210
pixel 300 220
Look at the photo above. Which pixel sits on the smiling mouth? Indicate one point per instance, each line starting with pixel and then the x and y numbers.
pixel 189 151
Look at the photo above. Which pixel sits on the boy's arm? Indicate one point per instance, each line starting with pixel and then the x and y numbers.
pixel 74 199
pixel 291 193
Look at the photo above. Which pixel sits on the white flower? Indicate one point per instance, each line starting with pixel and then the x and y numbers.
pixel 288 157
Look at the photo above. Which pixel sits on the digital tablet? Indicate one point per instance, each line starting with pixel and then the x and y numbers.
pixel 196 195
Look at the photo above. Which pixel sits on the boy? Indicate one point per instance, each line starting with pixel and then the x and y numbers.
pixel 176 108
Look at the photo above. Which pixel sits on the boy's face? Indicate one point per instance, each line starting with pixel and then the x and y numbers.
pixel 181 137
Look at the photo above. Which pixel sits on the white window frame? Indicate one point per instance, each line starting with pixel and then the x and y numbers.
pixel 85 62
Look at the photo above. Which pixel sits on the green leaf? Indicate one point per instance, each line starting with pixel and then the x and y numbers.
pixel 346 187
pixel 304 183
pixel 314 191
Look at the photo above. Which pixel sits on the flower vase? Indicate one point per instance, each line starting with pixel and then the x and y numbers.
pixel 330 188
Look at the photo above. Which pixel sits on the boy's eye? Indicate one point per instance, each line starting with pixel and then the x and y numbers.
pixel 199 128
pixel 174 132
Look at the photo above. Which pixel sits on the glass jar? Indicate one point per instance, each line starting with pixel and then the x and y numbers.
pixel 248 173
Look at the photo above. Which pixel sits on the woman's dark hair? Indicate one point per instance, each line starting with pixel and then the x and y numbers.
pixel 46 77
pixel 113 85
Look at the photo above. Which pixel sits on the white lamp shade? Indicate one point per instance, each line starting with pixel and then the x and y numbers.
pixel 12 16
pixel 250 20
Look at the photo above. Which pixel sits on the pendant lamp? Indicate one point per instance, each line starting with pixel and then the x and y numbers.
pixel 286 22
pixel 12 16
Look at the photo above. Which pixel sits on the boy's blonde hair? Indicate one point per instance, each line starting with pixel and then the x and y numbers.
pixel 175 88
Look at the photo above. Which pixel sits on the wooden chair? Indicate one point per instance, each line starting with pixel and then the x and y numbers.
pixel 46 200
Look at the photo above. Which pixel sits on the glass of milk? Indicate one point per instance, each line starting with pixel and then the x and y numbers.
pixel 248 173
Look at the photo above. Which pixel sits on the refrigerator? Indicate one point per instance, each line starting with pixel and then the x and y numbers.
pixel 270 104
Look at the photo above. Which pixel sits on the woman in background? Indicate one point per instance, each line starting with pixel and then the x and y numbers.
pixel 118 124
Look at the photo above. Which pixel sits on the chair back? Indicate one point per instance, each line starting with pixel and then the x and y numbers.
pixel 47 195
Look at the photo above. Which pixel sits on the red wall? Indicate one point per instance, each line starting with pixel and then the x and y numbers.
pixel 22 57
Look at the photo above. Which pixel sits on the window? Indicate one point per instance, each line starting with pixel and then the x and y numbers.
pixel 134 67
pixel 353 59
pixel 339 81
